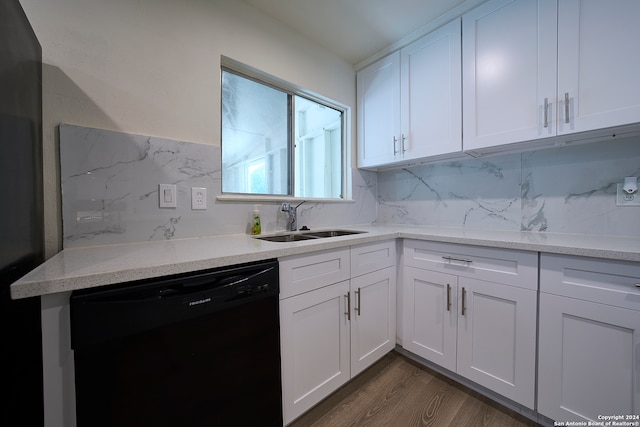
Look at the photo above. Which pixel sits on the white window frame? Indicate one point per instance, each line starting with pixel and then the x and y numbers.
pixel 244 70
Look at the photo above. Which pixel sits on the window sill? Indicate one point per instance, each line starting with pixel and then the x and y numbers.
pixel 246 198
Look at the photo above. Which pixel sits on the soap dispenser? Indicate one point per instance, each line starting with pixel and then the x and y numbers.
pixel 256 227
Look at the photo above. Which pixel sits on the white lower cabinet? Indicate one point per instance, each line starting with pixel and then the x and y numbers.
pixel 331 331
pixel 473 311
pixel 430 318
pixel 314 334
pixel 589 338
pixel 497 338
pixel 483 330
pixel 373 317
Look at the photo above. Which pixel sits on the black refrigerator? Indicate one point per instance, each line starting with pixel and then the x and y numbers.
pixel 21 216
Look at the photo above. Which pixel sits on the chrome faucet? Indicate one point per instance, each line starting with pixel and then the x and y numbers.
pixel 293 215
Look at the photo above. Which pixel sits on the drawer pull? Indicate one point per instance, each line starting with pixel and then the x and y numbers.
pixel 358 307
pixel 464 295
pixel 448 297
pixel 448 258
pixel 637 285
pixel 348 313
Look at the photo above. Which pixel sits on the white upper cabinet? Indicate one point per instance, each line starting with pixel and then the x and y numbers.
pixel 431 94
pixel 409 103
pixel 509 57
pixel 378 88
pixel 598 63
pixel 546 68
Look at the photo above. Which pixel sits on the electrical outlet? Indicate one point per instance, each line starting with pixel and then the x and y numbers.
pixel 198 198
pixel 167 195
pixel 624 199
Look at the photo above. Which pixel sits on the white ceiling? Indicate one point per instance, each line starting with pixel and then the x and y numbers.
pixel 358 29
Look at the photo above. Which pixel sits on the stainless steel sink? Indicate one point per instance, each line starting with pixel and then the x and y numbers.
pixel 332 233
pixel 286 238
pixel 308 235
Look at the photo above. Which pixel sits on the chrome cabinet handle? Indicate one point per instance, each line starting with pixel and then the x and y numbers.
pixel 348 313
pixel 546 112
pixel 464 295
pixel 359 306
pixel 404 138
pixel 566 107
pixel 448 297
pixel 395 144
pixel 637 285
pixel 448 258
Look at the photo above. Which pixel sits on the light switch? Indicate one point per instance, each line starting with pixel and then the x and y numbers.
pixel 198 198
pixel 167 195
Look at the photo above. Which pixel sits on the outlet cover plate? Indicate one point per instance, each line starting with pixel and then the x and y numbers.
pixel 198 198
pixel 624 199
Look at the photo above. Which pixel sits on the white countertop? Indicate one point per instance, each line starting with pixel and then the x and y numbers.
pixel 88 267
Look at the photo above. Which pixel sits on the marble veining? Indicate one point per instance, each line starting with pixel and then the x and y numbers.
pixel 110 185
pixel 533 218
pixel 471 193
pixel 110 191
pixel 563 190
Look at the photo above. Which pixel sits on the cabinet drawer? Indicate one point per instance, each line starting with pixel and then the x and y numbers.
pixel 510 267
pixel 604 281
pixel 305 273
pixel 372 256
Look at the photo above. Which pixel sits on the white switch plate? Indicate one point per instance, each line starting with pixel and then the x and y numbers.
pixel 198 198
pixel 167 195
pixel 624 199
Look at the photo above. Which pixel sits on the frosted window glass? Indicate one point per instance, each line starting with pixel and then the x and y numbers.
pixel 318 150
pixel 255 133
pixel 262 126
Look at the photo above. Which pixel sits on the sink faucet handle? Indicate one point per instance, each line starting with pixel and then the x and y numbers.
pixel 293 214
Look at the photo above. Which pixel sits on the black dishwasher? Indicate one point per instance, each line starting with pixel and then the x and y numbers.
pixel 193 350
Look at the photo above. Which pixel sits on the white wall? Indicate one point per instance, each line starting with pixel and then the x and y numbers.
pixel 152 67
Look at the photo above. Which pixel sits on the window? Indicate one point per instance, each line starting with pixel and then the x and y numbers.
pixel 279 142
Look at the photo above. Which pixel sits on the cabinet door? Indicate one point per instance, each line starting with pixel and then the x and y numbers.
pixel 430 319
pixel 589 362
pixel 431 94
pixel 314 335
pixel 373 317
pixel 378 88
pixel 598 63
pixel 509 60
pixel 497 338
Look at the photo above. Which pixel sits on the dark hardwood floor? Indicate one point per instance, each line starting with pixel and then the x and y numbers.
pixel 397 391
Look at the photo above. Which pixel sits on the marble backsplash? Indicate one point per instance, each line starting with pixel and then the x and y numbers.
pixel 563 190
pixel 110 191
